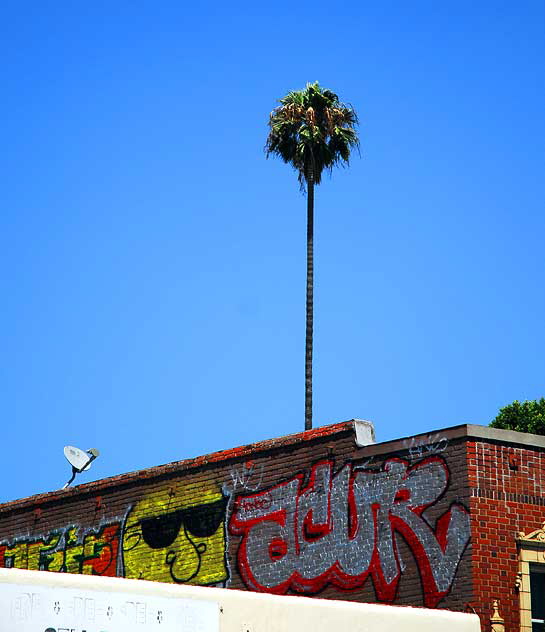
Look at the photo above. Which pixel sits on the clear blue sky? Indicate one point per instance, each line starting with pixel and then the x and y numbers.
pixel 153 261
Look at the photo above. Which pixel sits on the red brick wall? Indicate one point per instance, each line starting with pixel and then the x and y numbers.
pixel 308 514
pixel 507 497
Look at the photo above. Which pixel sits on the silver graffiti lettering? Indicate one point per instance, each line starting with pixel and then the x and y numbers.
pixel 342 527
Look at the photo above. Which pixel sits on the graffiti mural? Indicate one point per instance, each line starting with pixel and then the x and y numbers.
pixel 337 527
pixel 177 537
pixel 341 528
pixel 68 551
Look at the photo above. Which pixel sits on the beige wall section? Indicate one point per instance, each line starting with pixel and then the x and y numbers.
pixel 38 600
pixel 531 551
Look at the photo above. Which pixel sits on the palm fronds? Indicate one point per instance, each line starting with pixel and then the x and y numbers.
pixel 312 131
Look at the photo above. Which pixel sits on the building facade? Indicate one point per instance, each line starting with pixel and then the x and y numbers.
pixel 451 519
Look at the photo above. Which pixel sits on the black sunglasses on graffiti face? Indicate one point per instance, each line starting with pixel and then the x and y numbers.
pixel 201 521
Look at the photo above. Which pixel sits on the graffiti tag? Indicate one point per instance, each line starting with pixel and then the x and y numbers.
pixel 425 446
pixel 247 476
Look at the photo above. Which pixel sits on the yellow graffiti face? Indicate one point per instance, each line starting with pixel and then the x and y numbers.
pixel 177 535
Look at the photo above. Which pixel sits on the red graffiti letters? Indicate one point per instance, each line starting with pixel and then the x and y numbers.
pixel 341 528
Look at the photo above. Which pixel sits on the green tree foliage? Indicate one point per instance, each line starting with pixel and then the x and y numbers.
pixel 527 416
pixel 312 131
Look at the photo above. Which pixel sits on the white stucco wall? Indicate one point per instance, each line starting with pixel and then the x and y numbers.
pixel 37 601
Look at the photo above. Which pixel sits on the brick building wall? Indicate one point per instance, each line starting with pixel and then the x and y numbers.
pixel 507 482
pixel 407 522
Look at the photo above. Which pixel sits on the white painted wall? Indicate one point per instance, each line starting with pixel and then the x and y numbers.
pixel 38 601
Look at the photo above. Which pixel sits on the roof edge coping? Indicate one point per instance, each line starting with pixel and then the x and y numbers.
pixel 158 471
pixel 469 431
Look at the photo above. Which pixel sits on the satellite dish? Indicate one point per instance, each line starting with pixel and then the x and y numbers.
pixel 80 460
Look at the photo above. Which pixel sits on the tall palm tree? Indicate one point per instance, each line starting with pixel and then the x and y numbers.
pixel 311 130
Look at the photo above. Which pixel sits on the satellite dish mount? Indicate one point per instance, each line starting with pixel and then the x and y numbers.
pixel 80 460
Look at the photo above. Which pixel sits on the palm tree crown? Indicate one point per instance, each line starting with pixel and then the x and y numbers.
pixel 311 130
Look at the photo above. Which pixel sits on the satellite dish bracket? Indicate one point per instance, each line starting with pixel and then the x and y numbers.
pixel 76 458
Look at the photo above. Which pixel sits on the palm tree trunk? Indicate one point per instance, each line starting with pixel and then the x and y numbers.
pixel 310 302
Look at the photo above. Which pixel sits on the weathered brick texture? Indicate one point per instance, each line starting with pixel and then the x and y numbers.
pixel 507 497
